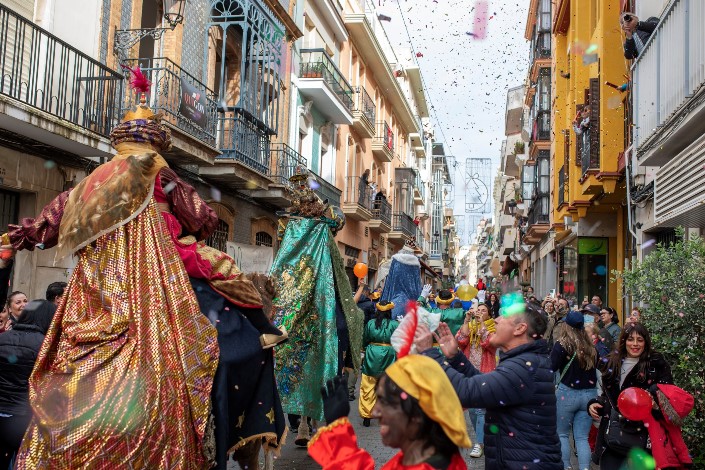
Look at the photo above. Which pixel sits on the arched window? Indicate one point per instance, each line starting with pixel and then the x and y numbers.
pixel 219 237
pixel 263 239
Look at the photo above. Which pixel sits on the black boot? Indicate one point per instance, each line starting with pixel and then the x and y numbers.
pixel 366 422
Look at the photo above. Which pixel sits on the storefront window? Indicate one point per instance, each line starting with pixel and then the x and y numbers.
pixel 583 269
pixel 592 268
pixel 569 272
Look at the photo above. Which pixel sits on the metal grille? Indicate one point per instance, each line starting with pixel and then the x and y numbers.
pixel 193 44
pixel 263 239
pixel 126 14
pixel 44 72
pixel 104 28
pixel 352 251
pixel 219 238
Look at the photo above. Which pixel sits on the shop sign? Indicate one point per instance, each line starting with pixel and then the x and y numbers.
pixel 193 104
pixel 592 246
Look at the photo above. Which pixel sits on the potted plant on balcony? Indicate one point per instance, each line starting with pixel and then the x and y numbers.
pixel 519 147
pixel 312 70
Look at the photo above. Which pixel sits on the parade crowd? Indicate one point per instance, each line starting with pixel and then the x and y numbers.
pixel 160 353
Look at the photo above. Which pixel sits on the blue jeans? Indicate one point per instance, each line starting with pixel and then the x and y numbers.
pixel 571 406
pixel 477 418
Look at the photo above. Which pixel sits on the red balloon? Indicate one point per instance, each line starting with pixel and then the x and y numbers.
pixel 635 404
pixel 360 270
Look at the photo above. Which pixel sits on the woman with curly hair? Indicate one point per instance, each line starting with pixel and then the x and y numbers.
pixel 632 364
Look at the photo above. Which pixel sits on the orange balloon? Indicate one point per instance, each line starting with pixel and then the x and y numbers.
pixel 360 270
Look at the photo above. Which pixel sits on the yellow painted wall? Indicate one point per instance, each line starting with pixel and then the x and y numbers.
pixel 593 23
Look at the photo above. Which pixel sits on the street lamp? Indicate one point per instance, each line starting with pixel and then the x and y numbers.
pixel 126 38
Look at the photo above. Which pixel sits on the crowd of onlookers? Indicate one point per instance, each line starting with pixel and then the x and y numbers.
pixel 23 325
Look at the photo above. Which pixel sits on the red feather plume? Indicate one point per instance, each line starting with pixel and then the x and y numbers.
pixel 138 82
pixel 409 330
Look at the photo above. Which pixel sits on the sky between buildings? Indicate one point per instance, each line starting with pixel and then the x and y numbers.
pixel 466 77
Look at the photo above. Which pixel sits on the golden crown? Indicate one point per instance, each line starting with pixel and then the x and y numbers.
pixel 141 112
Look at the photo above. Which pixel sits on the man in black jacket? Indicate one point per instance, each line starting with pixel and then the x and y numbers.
pixel 637 32
pixel 519 395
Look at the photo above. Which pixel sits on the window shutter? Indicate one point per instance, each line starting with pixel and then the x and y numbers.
pixel 594 123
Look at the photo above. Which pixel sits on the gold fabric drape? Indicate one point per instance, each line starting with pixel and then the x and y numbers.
pixel 109 197
pixel 124 376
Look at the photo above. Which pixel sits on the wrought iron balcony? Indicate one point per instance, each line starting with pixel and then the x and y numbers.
pixel 563 185
pixel 403 223
pixel 316 67
pixel 283 163
pixel 327 191
pixel 357 203
pixel 186 102
pixel 365 104
pixel 383 142
pixel 44 72
pixel 539 212
pixel 243 138
pixel 381 215
pixel 364 113
pixel 542 126
pixel 541 46
pixel 589 156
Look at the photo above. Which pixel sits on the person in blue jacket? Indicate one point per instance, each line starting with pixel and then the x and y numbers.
pixel 519 395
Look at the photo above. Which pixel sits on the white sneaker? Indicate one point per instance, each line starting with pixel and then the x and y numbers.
pixel 476 451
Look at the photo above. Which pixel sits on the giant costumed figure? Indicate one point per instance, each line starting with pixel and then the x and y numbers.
pixel 126 373
pixel 314 304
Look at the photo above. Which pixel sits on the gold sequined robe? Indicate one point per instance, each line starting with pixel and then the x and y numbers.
pixel 124 376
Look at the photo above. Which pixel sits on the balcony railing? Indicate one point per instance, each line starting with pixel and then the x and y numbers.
pixel 385 135
pixel 316 63
pixel 358 192
pixel 402 222
pixel 365 104
pixel 420 186
pixel 284 161
pixel 589 160
pixel 538 214
pixel 563 185
pixel 172 88
pixel 669 72
pixel 542 126
pixel 327 191
pixel 42 71
pixel 421 241
pixel 541 47
pixel 382 210
pixel 244 139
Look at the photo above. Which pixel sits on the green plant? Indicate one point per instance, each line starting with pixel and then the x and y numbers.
pixel 671 283
pixel 519 148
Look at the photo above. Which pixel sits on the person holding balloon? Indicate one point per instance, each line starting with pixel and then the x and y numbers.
pixel 632 364
pixel 454 317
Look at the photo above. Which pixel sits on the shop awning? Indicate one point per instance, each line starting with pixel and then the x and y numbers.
pixel 428 268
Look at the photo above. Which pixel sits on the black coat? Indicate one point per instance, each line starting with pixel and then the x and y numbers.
pixel 657 372
pixel 520 399
pixel 18 353
pixel 643 30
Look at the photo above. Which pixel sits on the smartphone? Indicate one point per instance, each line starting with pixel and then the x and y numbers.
pixel 585 299
pixel 552 293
